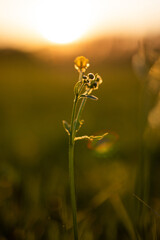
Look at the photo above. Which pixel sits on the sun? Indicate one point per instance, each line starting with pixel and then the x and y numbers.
pixel 63 21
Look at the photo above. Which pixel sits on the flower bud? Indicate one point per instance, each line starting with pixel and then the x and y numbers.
pixel 85 79
pixel 91 76
pixel 94 85
pixel 98 79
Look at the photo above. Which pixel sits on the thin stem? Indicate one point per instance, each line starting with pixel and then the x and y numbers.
pixel 74 109
pixel 82 106
pixel 71 172
pixel 71 166
pixel 72 188
pixel 73 113
pixel 81 109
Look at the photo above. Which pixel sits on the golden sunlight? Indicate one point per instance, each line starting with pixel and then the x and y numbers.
pixel 63 21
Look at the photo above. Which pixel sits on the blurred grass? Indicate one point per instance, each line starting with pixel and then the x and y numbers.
pixel 35 96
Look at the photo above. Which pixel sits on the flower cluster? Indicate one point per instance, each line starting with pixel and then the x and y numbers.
pixel 92 81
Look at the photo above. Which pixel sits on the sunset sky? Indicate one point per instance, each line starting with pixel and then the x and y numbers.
pixel 33 23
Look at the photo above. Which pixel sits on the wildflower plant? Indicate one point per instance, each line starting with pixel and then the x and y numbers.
pixel 85 85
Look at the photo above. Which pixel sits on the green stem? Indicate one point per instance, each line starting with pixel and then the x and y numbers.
pixel 82 106
pixel 81 109
pixel 72 188
pixel 74 110
pixel 71 167
pixel 73 114
pixel 71 172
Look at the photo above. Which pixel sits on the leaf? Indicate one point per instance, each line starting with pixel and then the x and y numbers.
pixel 91 138
pixel 67 127
pixel 89 96
pixel 81 138
pixel 78 124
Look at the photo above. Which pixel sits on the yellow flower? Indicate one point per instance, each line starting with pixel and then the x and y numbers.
pixel 81 63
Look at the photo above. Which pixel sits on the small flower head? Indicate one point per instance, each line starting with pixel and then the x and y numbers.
pixel 81 63
pixel 91 76
pixel 94 81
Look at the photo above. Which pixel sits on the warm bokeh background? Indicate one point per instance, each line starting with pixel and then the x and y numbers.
pixel 30 24
pixel 36 94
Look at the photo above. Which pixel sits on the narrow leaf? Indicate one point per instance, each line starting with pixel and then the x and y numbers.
pixel 82 137
pixel 91 138
pixel 98 137
pixel 67 127
pixel 89 96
